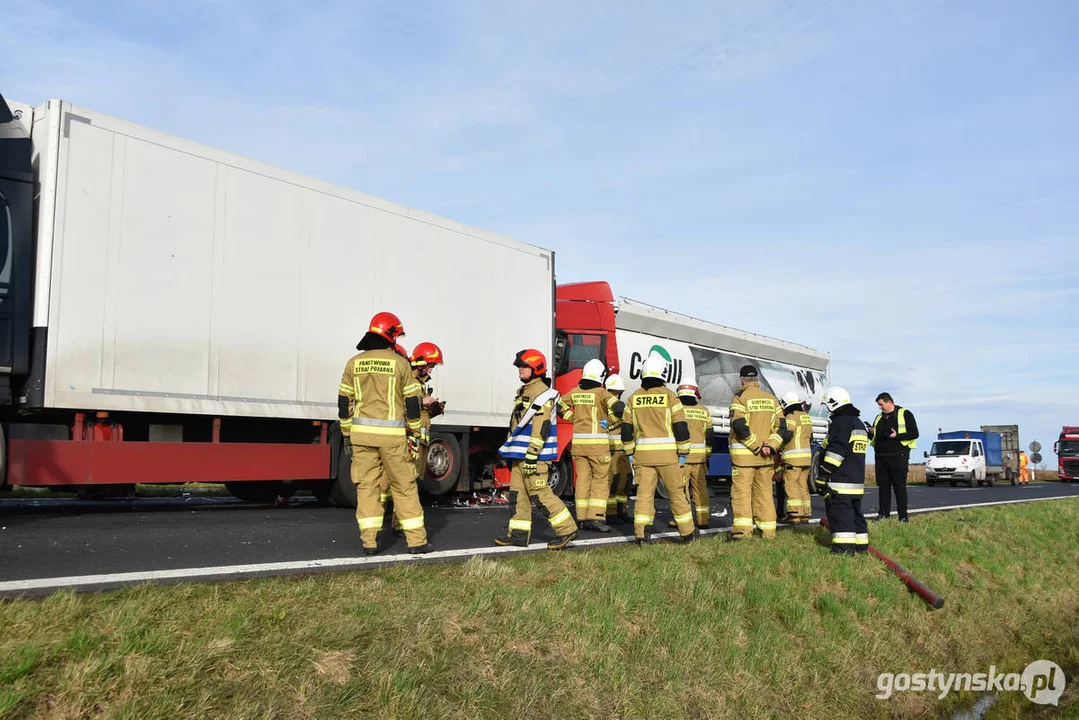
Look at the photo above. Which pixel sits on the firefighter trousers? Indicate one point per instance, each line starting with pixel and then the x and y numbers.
pixel 369 466
pixel 421 461
pixel 384 487
pixel 593 486
pixel 644 512
pixel 752 501
pixel 526 488
pixel 795 485
pixel 850 533
pixel 621 474
pixel 696 475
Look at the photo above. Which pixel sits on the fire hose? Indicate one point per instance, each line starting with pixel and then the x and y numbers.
pixel 914 584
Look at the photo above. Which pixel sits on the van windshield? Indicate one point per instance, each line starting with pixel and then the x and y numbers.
pixel 950 447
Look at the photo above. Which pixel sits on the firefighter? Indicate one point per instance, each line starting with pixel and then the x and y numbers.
pixel 533 444
pixel 621 472
pixel 797 456
pixel 656 437
pixel 423 361
pixel 701 437
pixel 754 441
pixel 594 413
pixel 378 403
pixel 841 474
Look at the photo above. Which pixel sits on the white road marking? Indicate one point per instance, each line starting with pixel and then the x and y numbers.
pixel 256 569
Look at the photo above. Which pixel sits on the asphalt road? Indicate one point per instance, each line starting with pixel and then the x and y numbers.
pixel 49 544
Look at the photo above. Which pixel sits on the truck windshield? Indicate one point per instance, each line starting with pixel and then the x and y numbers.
pixel 950 447
pixel 1068 447
pixel 579 349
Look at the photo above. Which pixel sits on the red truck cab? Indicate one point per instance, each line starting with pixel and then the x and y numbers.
pixel 584 330
pixel 1067 450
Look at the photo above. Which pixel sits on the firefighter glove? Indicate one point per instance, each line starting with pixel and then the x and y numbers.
pixel 529 465
pixel 413 446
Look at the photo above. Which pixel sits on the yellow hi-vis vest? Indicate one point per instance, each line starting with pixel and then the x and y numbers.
pixel 901 420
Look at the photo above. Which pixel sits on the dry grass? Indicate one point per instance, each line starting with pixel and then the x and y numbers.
pixel 915 475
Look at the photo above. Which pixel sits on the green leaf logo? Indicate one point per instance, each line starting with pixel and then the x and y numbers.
pixel 661 351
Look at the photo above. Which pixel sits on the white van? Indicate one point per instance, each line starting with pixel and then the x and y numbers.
pixel 956 461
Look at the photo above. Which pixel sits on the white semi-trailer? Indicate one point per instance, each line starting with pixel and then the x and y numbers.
pixel 177 313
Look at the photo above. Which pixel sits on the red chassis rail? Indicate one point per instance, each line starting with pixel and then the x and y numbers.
pixel 97 455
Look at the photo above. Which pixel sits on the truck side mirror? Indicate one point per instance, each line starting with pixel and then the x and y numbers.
pixel 925 453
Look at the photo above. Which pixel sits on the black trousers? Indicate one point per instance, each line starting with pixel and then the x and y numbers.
pixel 892 475
pixel 850 533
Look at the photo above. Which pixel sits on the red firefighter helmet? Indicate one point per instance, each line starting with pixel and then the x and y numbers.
pixel 532 358
pixel 388 326
pixel 426 353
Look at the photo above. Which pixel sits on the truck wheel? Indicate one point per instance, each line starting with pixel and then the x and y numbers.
pixel 661 490
pixel 342 491
pixel 444 463
pixel 560 475
pixel 261 492
pixel 930 483
pixel 970 483
pixel 989 480
pixel 952 483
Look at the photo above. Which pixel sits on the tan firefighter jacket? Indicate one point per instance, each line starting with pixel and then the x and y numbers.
pixel 380 385
pixel 797 451
pixel 755 418
pixel 595 414
pixel 699 420
pixel 654 427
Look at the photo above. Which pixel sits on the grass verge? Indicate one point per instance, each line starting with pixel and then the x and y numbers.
pixel 756 629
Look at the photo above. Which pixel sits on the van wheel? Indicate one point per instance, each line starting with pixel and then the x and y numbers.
pixel 930 483
pixel 952 483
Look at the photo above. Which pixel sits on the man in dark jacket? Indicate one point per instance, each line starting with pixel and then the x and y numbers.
pixel 893 435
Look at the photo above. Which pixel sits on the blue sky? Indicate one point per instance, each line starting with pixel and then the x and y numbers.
pixel 898 182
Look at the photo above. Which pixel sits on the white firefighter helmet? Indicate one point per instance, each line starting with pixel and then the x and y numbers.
pixel 594 371
pixel 689 390
pixel 790 399
pixel 836 398
pixel 654 367
pixel 614 383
